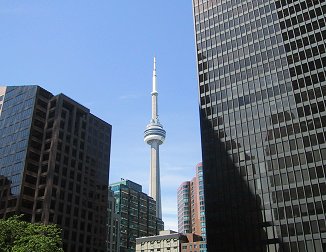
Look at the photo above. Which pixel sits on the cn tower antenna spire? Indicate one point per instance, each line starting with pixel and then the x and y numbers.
pixel 154 135
pixel 154 76
pixel 154 95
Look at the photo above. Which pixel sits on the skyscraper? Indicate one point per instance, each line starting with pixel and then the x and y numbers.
pixel 261 73
pixel 184 208
pixel 114 220
pixel 54 164
pixel 198 203
pixel 154 135
pixel 137 211
pixel 191 208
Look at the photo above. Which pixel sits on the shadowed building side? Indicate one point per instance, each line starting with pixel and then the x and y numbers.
pixel 234 221
pixel 262 85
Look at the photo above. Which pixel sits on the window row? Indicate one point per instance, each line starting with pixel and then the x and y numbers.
pixel 308 67
pixel 301 192
pixel 296 160
pixel 308 80
pixel 239 101
pixel 291 177
pixel 233 9
pixel 305 41
pixel 306 54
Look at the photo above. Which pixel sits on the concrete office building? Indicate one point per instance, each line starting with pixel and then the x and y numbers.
pixel 261 73
pixel 114 220
pixel 169 241
pixel 54 164
pixel 137 211
pixel 191 207
pixel 166 241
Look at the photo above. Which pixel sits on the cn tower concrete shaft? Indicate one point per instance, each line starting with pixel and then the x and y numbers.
pixel 154 135
pixel 155 184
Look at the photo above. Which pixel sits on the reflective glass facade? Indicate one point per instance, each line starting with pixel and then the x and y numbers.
pixel 15 123
pixel 138 214
pixel 261 72
pixel 54 165
pixel 113 225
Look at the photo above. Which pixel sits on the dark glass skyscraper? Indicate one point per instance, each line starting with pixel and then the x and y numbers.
pixel 54 164
pixel 137 211
pixel 261 71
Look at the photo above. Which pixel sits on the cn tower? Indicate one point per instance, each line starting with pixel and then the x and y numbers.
pixel 154 135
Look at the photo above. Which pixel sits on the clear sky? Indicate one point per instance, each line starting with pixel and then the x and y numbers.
pixel 100 53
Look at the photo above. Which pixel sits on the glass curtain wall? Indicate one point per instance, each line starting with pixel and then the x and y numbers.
pixel 261 73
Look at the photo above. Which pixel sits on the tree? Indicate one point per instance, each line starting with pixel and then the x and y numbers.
pixel 21 236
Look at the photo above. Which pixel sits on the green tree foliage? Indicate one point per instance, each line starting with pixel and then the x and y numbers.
pixel 21 236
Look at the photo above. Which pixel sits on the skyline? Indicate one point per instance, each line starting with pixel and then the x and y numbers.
pixel 100 54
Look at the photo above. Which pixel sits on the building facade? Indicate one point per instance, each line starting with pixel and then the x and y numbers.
pixel 191 207
pixel 198 204
pixel 166 241
pixel 193 243
pixel 169 241
pixel 54 164
pixel 137 211
pixel 261 73
pixel 184 208
pixel 114 220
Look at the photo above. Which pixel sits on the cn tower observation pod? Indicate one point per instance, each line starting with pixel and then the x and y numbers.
pixel 154 132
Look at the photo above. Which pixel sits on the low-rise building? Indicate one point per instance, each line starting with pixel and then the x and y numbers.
pixel 169 241
pixel 194 243
pixel 166 241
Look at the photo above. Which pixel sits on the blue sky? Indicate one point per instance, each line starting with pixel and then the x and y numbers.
pixel 100 53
